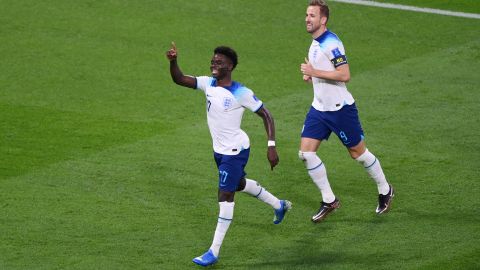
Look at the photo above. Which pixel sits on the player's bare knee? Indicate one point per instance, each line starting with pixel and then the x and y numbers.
pixel 354 155
pixel 305 156
pixel 300 155
pixel 226 196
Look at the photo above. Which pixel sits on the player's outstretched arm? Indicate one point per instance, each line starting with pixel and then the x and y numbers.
pixel 270 129
pixel 175 72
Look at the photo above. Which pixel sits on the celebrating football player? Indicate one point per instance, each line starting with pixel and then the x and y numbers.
pixel 226 101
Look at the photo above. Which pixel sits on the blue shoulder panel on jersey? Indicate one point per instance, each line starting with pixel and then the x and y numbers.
pixel 237 89
pixel 213 81
pixel 327 37
pixel 235 85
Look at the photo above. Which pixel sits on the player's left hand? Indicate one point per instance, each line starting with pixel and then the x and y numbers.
pixel 307 68
pixel 172 53
pixel 272 156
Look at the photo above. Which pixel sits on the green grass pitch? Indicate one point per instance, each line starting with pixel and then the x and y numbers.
pixel 106 164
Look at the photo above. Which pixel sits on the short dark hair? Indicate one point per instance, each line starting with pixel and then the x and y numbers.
pixel 324 11
pixel 229 53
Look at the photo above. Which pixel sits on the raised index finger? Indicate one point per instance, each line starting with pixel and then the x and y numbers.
pixel 174 46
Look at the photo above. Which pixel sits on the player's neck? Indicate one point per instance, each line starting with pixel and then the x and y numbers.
pixel 225 81
pixel 320 32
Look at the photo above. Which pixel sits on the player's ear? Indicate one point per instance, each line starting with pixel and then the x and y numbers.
pixel 323 20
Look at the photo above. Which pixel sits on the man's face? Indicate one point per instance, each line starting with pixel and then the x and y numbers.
pixel 312 19
pixel 220 66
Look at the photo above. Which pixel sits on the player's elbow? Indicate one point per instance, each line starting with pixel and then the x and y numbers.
pixel 177 80
pixel 343 73
pixel 345 77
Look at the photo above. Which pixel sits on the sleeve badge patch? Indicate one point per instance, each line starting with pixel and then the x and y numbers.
pixel 336 53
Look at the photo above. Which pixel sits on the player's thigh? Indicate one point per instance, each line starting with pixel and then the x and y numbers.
pixel 229 176
pixel 232 170
pixel 314 130
pixel 347 126
pixel 309 144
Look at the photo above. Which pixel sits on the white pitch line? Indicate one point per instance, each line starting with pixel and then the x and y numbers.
pixel 411 8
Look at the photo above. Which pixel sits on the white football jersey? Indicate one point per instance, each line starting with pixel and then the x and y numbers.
pixel 326 53
pixel 225 107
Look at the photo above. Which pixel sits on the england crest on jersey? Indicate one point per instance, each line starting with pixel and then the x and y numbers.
pixel 227 103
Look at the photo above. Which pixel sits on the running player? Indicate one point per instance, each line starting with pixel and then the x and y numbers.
pixel 226 102
pixel 333 110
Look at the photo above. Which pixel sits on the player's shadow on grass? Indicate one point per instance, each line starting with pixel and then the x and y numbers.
pixel 318 246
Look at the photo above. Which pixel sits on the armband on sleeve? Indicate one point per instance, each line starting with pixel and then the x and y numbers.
pixel 338 61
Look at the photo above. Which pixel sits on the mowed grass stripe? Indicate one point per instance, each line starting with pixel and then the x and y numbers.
pixel 33 137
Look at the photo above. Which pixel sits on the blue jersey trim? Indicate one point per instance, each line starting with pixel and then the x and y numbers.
pixel 261 106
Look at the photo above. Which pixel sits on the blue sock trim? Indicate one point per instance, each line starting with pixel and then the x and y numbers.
pixel 227 219
pixel 321 163
pixel 371 164
pixel 261 190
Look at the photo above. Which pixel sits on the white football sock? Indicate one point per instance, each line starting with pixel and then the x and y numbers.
pixel 374 169
pixel 318 173
pixel 224 219
pixel 253 188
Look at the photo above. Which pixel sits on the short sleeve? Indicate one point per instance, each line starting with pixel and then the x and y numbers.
pixel 336 53
pixel 247 99
pixel 203 82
